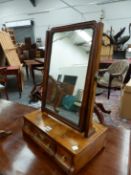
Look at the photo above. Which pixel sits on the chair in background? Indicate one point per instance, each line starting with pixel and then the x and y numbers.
pixel 113 76
pixel 33 65
pixel 38 67
pixel 3 81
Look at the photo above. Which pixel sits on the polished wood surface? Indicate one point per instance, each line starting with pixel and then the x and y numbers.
pixel 20 155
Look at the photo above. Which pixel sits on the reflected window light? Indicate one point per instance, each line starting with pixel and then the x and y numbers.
pixel 129 49
pixel 19 23
pixel 4 105
pixel 23 160
pixel 84 36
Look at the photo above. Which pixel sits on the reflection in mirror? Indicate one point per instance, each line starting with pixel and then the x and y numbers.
pixel 68 67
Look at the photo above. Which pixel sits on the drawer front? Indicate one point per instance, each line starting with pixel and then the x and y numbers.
pixel 48 144
pixel 64 157
pixel 40 138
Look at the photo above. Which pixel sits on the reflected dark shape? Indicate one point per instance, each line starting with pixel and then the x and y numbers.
pixel 60 99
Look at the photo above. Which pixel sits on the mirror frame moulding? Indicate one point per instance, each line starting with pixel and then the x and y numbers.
pixel 86 111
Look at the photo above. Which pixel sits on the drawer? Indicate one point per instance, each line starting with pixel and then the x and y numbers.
pixel 48 144
pixel 64 157
pixel 40 138
pixel 30 129
pixel 27 128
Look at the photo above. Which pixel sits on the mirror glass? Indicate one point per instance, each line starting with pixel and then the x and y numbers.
pixel 70 52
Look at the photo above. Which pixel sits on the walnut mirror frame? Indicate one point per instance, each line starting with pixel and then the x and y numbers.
pixel 84 109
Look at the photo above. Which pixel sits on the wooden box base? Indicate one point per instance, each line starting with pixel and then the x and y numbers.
pixel 69 148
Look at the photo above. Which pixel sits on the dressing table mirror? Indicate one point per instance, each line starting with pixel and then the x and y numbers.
pixel 63 126
pixel 70 67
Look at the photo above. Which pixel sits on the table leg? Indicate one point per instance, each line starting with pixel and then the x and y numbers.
pixel 128 75
pixel 32 74
pixel 27 72
pixel 19 82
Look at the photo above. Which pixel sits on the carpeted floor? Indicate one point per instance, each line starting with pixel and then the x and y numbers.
pixel 113 104
pixel 28 85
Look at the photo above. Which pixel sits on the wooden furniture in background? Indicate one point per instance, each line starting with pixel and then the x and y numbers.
pixel 11 32
pixel 14 70
pixel 19 155
pixel 106 49
pixel 28 43
pixel 35 52
pixel 125 110
pixel 9 49
pixel 12 35
pixel 3 81
pixel 33 65
pixel 11 56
